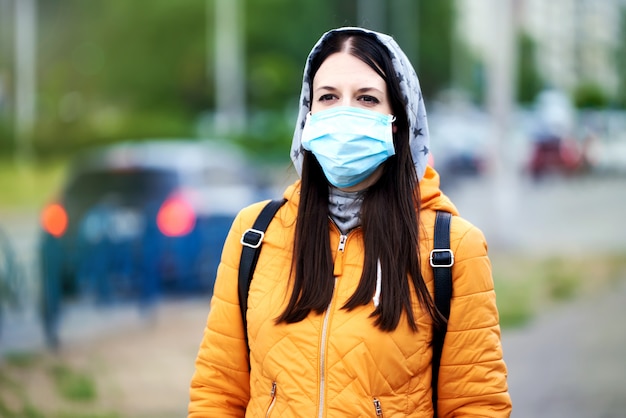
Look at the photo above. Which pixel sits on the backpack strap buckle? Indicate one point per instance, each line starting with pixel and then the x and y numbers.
pixel 252 238
pixel 441 258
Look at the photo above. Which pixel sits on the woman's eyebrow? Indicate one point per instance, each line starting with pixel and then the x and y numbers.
pixel 368 89
pixel 329 88
pixel 361 90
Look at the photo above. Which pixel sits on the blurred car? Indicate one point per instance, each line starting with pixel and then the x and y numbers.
pixel 554 155
pixel 554 149
pixel 605 141
pixel 136 221
pixel 459 144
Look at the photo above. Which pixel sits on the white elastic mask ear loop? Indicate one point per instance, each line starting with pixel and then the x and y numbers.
pixel 376 298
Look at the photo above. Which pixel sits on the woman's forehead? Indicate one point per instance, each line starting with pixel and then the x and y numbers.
pixel 343 68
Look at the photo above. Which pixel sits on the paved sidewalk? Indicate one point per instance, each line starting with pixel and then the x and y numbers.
pixel 571 361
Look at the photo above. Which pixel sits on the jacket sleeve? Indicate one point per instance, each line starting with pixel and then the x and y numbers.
pixel 473 375
pixel 220 385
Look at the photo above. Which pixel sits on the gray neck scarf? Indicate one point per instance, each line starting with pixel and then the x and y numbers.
pixel 345 208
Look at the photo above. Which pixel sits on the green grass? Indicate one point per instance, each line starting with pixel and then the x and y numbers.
pixel 28 184
pixel 87 415
pixel 73 385
pixel 22 360
pixel 14 401
pixel 562 281
pixel 28 411
pixel 514 303
pixel 76 388
pixel 526 286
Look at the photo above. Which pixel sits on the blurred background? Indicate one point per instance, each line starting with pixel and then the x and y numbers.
pixel 132 132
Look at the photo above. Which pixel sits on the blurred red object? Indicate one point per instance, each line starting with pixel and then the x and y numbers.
pixel 556 156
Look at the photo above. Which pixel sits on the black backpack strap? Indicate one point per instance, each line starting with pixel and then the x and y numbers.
pixel 251 241
pixel 441 260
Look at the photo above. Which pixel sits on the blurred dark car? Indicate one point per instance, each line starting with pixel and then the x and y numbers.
pixel 554 148
pixel 137 221
pixel 554 155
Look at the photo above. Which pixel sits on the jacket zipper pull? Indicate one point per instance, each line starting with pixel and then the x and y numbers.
pixel 378 407
pixel 338 268
pixel 342 242
pixel 272 400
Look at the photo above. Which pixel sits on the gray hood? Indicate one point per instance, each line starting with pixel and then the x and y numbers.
pixel 409 84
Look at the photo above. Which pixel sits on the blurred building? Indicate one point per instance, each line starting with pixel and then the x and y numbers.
pixel 576 39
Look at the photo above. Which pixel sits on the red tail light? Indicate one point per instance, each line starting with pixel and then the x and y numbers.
pixel 176 217
pixel 54 219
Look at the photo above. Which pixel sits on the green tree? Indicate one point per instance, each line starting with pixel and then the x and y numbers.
pixel 620 58
pixel 116 69
pixel 435 26
pixel 529 82
pixel 590 95
pixel 279 36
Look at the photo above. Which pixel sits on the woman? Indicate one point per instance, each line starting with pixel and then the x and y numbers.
pixel 340 312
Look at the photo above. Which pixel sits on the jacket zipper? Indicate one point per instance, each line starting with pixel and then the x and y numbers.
pixel 342 245
pixel 322 387
pixel 378 407
pixel 342 242
pixel 272 400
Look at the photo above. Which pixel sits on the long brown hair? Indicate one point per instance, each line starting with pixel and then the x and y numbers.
pixel 389 219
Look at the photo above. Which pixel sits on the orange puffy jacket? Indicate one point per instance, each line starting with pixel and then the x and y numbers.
pixel 338 364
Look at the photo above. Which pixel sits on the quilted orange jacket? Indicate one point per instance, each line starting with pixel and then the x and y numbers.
pixel 338 364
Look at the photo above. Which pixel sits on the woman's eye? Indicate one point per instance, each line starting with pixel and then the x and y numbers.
pixel 326 97
pixel 369 99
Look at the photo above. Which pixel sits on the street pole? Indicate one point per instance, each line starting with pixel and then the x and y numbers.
pixel 228 59
pixel 25 77
pixel 500 103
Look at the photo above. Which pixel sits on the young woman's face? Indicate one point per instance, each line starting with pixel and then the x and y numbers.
pixel 344 80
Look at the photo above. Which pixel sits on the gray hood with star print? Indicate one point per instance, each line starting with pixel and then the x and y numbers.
pixel 409 84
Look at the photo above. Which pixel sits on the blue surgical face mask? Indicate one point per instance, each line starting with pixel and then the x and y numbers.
pixel 348 142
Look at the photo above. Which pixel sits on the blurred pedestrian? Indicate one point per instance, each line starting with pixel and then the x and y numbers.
pixel 340 310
